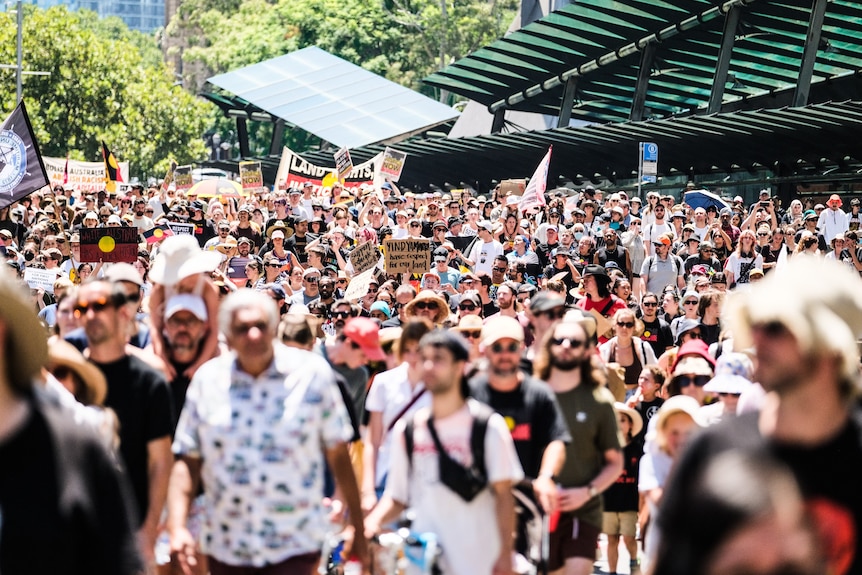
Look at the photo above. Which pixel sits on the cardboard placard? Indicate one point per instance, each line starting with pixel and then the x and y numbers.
pixel 513 187
pixel 109 244
pixel 251 177
pixel 39 278
pixel 358 286
pixel 183 177
pixel 343 163
pixel 180 228
pixel 408 256
pixel 393 164
pixel 364 257
pixel 169 177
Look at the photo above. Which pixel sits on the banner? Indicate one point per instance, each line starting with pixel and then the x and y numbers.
pixel 534 195
pixel 408 256
pixel 21 169
pixel 364 257
pixel 393 164
pixel 251 177
pixel 293 170
pixel 87 177
pixel 183 177
pixel 109 244
pixel 343 163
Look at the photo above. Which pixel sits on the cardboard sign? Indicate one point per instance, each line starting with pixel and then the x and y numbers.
pixel 109 244
pixel 169 177
pixel 38 278
pixel 393 164
pixel 408 256
pixel 251 177
pixel 358 285
pixel 84 176
pixel 364 257
pixel 343 163
pixel 183 177
pixel 513 187
pixel 180 228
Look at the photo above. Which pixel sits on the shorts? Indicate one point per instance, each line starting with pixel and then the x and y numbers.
pixel 623 523
pixel 572 538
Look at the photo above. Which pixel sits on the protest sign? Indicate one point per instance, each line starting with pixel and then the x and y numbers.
pixel 251 177
pixel 180 228
pixel 293 170
pixel 183 177
pixel 343 162
pixel 38 278
pixel 169 176
pixel 393 164
pixel 83 176
pixel 109 244
pixel 364 257
pixel 359 285
pixel 408 256
pixel 513 187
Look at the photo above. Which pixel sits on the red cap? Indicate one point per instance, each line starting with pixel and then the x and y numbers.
pixel 365 333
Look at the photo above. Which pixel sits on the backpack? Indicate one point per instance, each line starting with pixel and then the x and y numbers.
pixel 470 481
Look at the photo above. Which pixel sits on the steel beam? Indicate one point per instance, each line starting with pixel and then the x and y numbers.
pixel 716 95
pixel 809 53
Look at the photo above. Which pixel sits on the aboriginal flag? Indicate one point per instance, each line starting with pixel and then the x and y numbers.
pixel 157 233
pixel 21 169
pixel 112 170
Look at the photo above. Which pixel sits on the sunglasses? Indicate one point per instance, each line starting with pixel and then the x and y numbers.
pixel 501 270
pixel 510 348
pixel 280 202
pixel 314 280
pixel 101 304
pixel 422 305
pixel 649 304
pixel 690 302
pixel 273 265
pixel 341 282
pixel 694 334
pixel 574 343
pixel 687 380
pixel 474 334
pixel 761 235
pixel 340 314
pixel 467 307
pixel 558 313
pixel 414 225
pixel 628 324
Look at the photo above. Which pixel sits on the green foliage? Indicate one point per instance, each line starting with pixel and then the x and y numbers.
pixel 105 83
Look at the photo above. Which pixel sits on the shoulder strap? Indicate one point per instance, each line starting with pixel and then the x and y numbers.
pixel 608 306
pixel 408 440
pixel 477 438
pixel 405 409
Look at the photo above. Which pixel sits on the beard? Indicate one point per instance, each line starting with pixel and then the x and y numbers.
pixel 566 364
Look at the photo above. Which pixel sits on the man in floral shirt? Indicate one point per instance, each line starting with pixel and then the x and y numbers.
pixel 255 428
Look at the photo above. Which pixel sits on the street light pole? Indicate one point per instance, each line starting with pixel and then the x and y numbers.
pixel 19 89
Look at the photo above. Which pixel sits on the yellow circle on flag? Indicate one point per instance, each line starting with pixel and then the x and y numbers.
pixel 107 244
pixel 329 179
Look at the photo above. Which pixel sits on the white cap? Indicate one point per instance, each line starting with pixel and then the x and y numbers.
pixel 278 234
pixel 186 302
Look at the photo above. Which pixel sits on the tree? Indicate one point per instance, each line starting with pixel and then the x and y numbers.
pixel 105 83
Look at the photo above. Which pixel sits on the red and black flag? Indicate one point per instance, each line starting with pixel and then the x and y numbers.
pixel 21 169
pixel 157 233
pixel 66 171
pixel 112 170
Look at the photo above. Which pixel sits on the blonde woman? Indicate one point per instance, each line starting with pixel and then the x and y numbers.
pixel 627 350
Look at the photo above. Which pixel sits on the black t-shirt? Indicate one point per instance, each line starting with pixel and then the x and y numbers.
pixel 532 414
pixel 204 230
pixel 489 309
pixel 142 401
pixel 623 494
pixel 297 245
pixel 710 333
pixel 65 507
pixel 827 474
pixel 658 335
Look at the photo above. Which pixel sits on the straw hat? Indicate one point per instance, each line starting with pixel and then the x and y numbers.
pixel 637 420
pixel 228 245
pixel 25 336
pixel 427 296
pixel 180 257
pixel 65 354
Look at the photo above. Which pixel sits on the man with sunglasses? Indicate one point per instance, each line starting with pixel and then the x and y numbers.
pixel 527 404
pixel 656 332
pixel 653 231
pixel 310 287
pixel 140 397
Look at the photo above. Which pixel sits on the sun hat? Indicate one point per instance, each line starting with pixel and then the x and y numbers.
pixel 62 353
pixel 679 404
pixel 637 420
pixel 281 227
pixel 180 257
pixel 733 372
pixel 469 323
pixel 501 327
pixel 26 342
pixel 428 296
pixel 365 333
pixel 227 245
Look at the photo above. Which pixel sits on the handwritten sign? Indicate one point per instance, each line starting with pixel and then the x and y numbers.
pixel 39 278
pixel 183 177
pixel 364 257
pixel 408 256
pixel 180 228
pixel 343 163
pixel 109 244
pixel 513 187
pixel 393 164
pixel 251 176
pixel 359 285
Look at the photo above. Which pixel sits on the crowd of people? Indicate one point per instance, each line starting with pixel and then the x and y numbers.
pixel 682 379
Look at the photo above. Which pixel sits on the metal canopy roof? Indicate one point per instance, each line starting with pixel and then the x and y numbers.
pixel 334 99
pixel 600 44
pixel 786 141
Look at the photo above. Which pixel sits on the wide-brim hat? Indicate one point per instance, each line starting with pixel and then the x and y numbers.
pixel 65 354
pixel 26 339
pixel 428 295
pixel 637 420
pixel 180 257
pixel 227 245
pixel 280 226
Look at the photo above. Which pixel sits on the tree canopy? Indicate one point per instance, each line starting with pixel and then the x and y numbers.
pixel 106 83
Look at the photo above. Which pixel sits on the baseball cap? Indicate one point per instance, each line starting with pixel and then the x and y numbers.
pixel 186 302
pixel 546 300
pixel 501 327
pixel 365 333
pixel 123 272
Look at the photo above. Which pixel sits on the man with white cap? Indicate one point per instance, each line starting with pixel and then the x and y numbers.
pixel 803 322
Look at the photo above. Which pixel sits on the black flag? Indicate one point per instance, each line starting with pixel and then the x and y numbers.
pixel 21 169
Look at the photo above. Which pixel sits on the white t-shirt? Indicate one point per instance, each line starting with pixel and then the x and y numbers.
pixel 483 254
pixel 388 396
pixel 467 532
